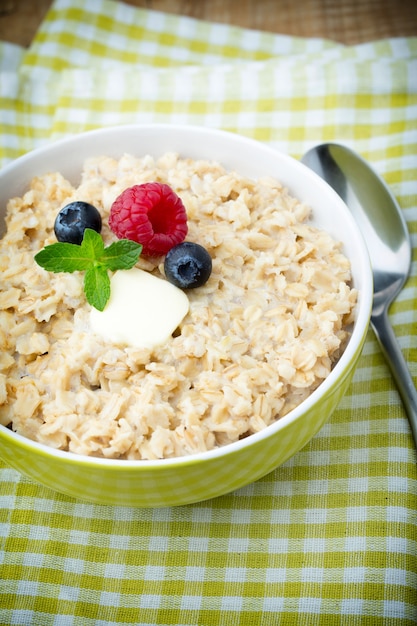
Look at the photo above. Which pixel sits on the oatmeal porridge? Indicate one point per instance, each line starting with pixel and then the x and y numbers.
pixel 259 336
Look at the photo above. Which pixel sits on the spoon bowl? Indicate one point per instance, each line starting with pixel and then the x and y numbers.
pixel 382 224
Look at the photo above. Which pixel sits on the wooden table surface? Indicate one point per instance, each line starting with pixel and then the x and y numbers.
pixel 346 21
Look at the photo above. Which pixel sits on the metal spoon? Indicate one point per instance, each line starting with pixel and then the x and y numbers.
pixel 385 232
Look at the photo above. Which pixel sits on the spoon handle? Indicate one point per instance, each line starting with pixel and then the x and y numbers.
pixel 399 369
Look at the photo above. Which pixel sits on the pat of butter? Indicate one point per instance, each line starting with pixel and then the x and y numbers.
pixel 143 311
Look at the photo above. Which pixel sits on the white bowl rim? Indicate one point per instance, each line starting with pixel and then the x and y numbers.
pixel 341 368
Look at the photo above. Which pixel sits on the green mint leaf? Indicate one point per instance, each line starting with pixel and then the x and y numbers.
pixel 121 255
pixel 63 257
pixel 97 286
pixel 92 244
pixel 93 258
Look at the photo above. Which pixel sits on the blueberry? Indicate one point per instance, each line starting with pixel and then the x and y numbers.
pixel 73 219
pixel 187 265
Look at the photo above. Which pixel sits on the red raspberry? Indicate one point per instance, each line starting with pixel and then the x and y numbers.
pixel 151 214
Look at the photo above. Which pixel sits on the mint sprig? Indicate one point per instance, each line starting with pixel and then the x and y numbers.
pixel 94 259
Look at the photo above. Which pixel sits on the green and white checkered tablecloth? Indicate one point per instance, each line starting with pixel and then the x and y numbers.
pixel 329 538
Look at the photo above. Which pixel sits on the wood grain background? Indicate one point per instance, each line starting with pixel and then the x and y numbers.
pixel 346 21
